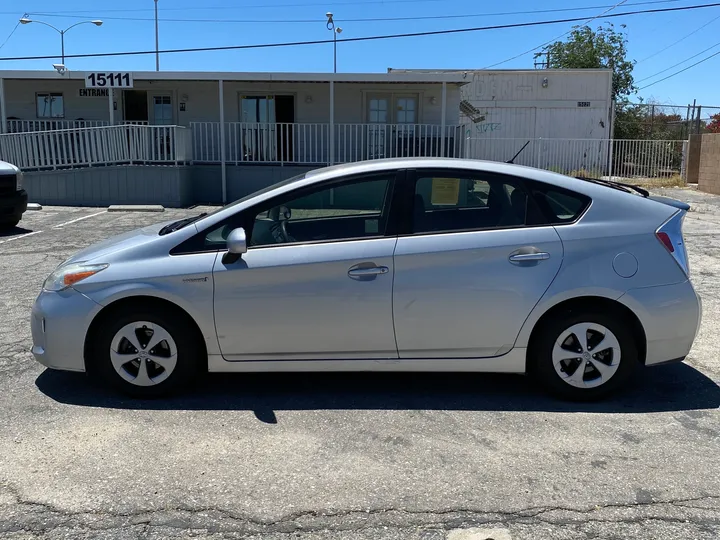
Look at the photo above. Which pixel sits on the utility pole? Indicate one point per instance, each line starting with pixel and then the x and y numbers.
pixel 540 64
pixel 157 39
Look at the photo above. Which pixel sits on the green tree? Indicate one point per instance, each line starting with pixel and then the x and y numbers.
pixel 603 48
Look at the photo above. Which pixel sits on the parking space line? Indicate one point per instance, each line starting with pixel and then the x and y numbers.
pixel 18 237
pixel 78 219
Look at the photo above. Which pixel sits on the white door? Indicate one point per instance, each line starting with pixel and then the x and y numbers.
pixel 378 116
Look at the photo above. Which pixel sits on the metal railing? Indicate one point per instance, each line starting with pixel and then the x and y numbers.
pixel 87 147
pixel 24 126
pixel 593 158
pixel 319 144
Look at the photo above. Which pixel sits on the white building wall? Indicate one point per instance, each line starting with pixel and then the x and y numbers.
pixel 201 99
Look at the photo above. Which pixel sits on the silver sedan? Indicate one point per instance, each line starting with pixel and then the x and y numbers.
pixel 390 265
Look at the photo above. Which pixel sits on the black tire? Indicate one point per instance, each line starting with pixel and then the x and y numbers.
pixel 541 355
pixel 190 351
pixel 8 225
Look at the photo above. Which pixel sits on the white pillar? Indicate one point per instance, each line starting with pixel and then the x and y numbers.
pixel 3 111
pixel 332 122
pixel 111 106
pixel 443 115
pixel 223 172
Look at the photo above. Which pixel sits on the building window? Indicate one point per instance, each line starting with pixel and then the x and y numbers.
pixel 50 105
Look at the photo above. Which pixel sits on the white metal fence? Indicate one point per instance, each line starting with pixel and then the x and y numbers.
pixel 23 126
pixel 318 144
pixel 586 157
pixel 97 146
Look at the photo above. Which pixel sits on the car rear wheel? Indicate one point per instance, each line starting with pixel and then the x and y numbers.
pixel 584 355
pixel 145 354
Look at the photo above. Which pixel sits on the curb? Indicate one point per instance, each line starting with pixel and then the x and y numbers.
pixel 136 208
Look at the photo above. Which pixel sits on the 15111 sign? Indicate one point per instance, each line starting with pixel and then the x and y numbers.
pixel 108 80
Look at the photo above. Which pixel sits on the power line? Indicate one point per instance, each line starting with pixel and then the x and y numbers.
pixel 255 6
pixel 364 38
pixel 11 33
pixel 679 40
pixel 354 20
pixel 676 65
pixel 681 71
pixel 555 39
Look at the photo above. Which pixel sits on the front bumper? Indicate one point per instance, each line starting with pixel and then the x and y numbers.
pixel 13 206
pixel 59 324
pixel 670 315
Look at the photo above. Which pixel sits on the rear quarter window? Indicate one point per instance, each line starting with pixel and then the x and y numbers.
pixel 559 205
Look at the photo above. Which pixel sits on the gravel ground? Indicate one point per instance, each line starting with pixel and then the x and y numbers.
pixel 350 456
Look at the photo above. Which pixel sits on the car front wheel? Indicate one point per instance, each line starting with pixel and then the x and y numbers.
pixel 584 355
pixel 145 354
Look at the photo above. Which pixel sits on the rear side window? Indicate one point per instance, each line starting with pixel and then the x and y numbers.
pixel 559 205
pixel 448 203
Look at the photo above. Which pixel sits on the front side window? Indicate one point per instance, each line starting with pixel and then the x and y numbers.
pixel 346 211
pixel 50 105
pixel 350 210
pixel 446 203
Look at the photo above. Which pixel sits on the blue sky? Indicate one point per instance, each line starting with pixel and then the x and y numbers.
pixel 648 34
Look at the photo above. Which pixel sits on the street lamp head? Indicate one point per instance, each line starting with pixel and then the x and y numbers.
pixel 97 23
pixel 329 15
pixel 25 20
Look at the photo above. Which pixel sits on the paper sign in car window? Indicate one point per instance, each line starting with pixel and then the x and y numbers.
pixel 445 191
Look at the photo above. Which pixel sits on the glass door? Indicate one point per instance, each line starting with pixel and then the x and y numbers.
pixel 378 116
pixel 257 129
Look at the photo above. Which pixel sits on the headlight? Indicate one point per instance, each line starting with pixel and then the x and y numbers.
pixel 67 276
pixel 18 180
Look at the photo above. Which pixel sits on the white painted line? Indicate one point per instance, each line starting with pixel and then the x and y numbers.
pixel 18 237
pixel 78 219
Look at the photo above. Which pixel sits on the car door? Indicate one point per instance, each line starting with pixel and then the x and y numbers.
pixel 316 281
pixel 475 261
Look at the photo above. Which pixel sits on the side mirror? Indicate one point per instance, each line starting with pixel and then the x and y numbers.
pixel 236 244
pixel 237 241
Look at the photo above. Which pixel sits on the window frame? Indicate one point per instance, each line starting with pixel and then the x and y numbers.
pixel 50 94
pixel 406 228
pixel 246 218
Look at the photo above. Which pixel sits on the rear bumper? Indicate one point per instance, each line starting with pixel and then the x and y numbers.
pixel 13 206
pixel 670 316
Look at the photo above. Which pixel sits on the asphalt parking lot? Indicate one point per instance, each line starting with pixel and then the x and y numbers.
pixel 348 456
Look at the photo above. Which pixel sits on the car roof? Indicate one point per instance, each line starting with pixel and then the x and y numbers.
pixel 316 176
pixel 379 165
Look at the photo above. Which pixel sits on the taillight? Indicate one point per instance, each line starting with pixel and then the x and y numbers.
pixel 665 240
pixel 670 236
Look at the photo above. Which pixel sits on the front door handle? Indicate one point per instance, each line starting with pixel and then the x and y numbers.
pixel 528 257
pixel 371 271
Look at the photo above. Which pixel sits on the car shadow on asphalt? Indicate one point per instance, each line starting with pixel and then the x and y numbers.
pixel 678 387
pixel 15 231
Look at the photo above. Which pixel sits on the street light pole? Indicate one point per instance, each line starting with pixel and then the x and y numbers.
pixel 25 20
pixel 335 31
pixel 157 39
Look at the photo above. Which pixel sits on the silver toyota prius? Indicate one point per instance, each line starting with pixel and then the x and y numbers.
pixel 388 265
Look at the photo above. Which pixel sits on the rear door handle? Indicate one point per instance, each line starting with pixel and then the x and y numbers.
pixel 372 271
pixel 527 257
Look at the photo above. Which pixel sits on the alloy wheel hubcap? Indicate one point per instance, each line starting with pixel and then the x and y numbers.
pixel 143 353
pixel 586 355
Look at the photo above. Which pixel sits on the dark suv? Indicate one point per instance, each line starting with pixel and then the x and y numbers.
pixel 13 198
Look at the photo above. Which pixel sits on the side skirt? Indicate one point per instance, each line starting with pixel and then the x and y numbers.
pixel 511 362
